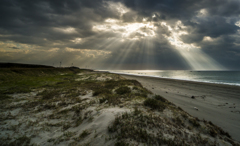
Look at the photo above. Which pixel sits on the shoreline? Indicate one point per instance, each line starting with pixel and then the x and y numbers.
pixel 140 75
pixel 218 103
pixel 70 106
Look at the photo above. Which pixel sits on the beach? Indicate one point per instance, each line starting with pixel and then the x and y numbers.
pixel 71 106
pixel 213 102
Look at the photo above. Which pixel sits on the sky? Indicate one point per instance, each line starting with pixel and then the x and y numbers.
pixel 122 34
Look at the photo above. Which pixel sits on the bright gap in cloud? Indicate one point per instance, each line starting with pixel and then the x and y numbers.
pixel 68 30
pixel 131 31
pixel 195 57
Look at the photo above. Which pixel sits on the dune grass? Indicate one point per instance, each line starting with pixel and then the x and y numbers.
pixel 58 98
pixel 23 80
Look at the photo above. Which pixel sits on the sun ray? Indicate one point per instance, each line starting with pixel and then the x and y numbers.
pixel 193 55
pixel 124 54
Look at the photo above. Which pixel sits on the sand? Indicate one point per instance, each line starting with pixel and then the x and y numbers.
pixel 217 103
pixel 75 116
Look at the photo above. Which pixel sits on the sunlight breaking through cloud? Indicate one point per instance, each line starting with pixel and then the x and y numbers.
pixel 139 34
pixel 195 57
pixel 130 31
pixel 68 30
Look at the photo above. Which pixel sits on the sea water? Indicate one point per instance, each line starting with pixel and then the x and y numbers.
pixel 219 77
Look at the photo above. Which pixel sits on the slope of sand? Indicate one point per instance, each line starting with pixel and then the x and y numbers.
pixel 217 103
pixel 95 108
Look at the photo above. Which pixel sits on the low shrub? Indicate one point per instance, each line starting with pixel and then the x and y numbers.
pixel 102 100
pixel 141 95
pixel 135 88
pixel 84 134
pixel 101 91
pixel 111 84
pixel 137 111
pixel 24 140
pixel 4 97
pixel 160 98
pixel 110 98
pixel 121 143
pixel 154 104
pixel 49 94
pixel 212 132
pixel 13 90
pixel 194 122
pixel 123 90
pixel 178 121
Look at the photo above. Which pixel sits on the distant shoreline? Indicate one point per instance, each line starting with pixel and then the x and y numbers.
pixel 183 80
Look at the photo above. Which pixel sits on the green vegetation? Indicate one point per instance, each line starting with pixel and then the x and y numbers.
pixel 154 104
pixel 194 122
pixel 140 91
pixel 24 140
pixel 121 143
pixel 178 121
pixel 84 134
pixel 111 99
pixel 23 80
pixel 140 130
pixel 160 98
pixel 123 90
pixel 49 94
pixel 101 91
pixel 64 98
pixel 4 97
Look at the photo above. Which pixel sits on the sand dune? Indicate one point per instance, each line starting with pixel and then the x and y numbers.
pixel 216 103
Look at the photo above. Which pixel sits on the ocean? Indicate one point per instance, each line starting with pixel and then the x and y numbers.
pixel 219 77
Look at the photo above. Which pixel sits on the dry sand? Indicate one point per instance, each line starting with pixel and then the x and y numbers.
pixel 217 103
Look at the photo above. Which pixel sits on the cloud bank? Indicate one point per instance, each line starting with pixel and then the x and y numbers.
pixel 122 34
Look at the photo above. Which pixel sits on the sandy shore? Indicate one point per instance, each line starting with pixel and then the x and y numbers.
pixel 81 107
pixel 217 103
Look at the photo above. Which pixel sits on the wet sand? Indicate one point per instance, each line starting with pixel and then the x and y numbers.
pixel 217 103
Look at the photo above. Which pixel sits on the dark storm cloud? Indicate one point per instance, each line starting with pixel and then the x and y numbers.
pixel 36 19
pixel 56 23
pixel 14 47
pixel 219 23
